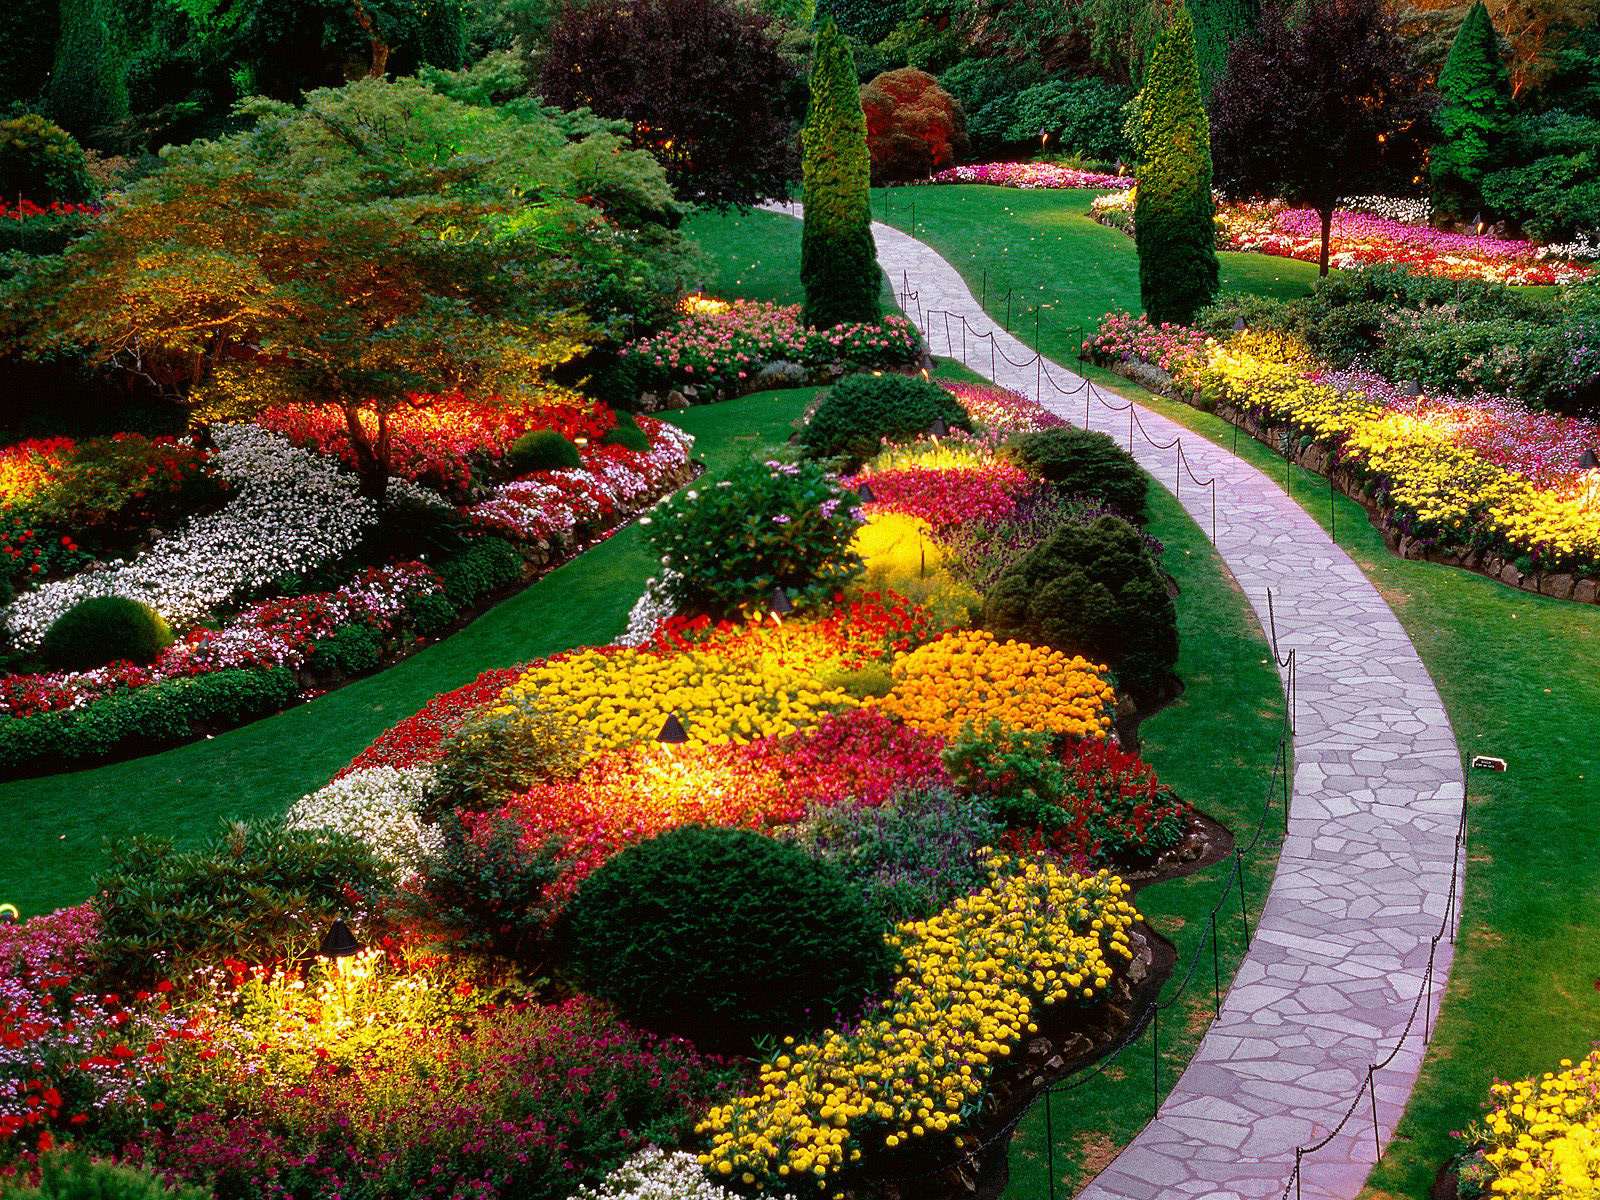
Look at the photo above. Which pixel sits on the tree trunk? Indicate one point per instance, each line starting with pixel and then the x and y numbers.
pixel 1327 235
pixel 372 459
pixel 379 66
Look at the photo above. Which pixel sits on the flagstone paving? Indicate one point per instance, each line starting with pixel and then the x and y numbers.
pixel 1330 985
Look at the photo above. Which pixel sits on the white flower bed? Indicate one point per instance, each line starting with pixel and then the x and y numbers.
pixel 649 610
pixel 1410 209
pixel 654 1174
pixel 291 511
pixel 378 806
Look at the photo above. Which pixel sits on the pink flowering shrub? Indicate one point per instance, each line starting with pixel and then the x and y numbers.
pixel 1031 176
pixel 1123 337
pixel 724 346
pixel 1000 410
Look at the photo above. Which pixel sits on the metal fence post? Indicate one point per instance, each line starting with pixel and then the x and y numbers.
pixel 1372 1092
pixel 1050 1141
pixel 1244 913
pixel 1155 1063
pixel 1216 968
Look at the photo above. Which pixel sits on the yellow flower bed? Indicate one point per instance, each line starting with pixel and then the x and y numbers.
pixel 1449 487
pixel 968 677
pixel 971 977
pixel 1542 1142
pixel 731 690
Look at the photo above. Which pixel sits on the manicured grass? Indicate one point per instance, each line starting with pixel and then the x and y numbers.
pixel 754 255
pixel 1517 673
pixel 56 842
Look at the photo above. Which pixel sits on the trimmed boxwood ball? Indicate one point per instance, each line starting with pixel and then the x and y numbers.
pixel 627 434
pixel 860 411
pixel 1080 462
pixel 105 629
pixel 722 935
pixel 1093 590
pixel 543 450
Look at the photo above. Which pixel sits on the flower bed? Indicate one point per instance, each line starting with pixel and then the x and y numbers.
pixel 1481 479
pixel 725 346
pixel 1541 1141
pixel 1030 175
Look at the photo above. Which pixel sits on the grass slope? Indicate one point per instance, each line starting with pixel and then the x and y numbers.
pixel 1517 673
pixel 61 823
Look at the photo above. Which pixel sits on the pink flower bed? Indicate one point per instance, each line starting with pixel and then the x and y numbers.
pixel 1032 175
pixel 950 496
pixel 274 633
pixel 1001 410
pixel 1123 337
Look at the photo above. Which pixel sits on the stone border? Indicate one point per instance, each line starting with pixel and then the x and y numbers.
pixel 1364 878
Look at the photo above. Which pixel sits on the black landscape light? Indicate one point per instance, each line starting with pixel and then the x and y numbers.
pixel 339 942
pixel 865 494
pixel 1479 224
pixel 1589 461
pixel 1238 324
pixel 1413 388
pixel 780 603
pixel 938 429
pixel 672 731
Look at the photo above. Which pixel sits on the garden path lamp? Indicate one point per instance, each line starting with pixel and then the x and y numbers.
pixel 780 604
pixel 9 914
pixel 672 732
pixel 339 942
pixel 1479 224
pixel 1238 324
pixel 865 494
pixel 1589 464
pixel 938 429
pixel 1044 136
pixel 1413 388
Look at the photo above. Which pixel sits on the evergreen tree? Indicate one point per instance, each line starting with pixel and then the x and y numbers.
pixel 1217 25
pixel 1173 212
pixel 838 261
pixel 88 90
pixel 1474 118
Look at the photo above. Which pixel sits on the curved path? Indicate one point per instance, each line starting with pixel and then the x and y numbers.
pixel 1363 884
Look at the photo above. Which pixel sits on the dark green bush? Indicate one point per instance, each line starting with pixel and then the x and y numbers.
pixel 482 568
pixel 256 892
pixel 105 629
pixel 1082 116
pixel 1259 313
pixel 1093 590
pixel 500 751
pixel 1551 185
pixel 432 614
pixel 159 714
pixel 543 450
pixel 858 412
pixel 349 650
pixel 770 527
pixel 911 855
pixel 724 935
pixel 1082 463
pixel 73 1176
pixel 487 894
pixel 987 89
pixel 42 162
pixel 627 434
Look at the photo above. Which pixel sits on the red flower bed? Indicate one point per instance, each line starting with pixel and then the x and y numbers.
pixel 945 497
pixel 414 742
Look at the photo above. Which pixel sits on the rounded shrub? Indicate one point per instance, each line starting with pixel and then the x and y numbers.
pixel 500 751
pixel 627 434
pixel 1080 462
pixel 543 450
pixel 105 629
pixel 723 935
pixel 860 411
pixel 1093 590
pixel 42 162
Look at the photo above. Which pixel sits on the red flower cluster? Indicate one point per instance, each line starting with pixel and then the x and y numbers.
pixel 861 630
pixel 415 741
pixel 25 210
pixel 438 442
pixel 944 497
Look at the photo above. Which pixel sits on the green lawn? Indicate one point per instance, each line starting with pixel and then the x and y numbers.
pixel 54 850
pixel 1232 698
pixel 1517 673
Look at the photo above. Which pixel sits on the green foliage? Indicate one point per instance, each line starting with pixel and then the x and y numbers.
pixel 174 710
pixel 1122 33
pixel 74 1176
pixel 1173 212
pixel 486 892
pixel 1217 25
pixel 483 567
pixel 385 240
pixel 1093 590
pixel 872 680
pixel 350 650
pixel 104 629
pixel 1553 191
pixel 431 614
pixel 914 126
pixel 256 891
pixel 911 855
pixel 543 450
pixel 860 411
pixel 987 90
pixel 1473 119
pixel 1015 770
pixel 28 32
pixel 1082 463
pixel 627 434
pixel 87 92
pixel 838 260
pixel 764 526
pixel 1083 117
pixel 501 751
pixel 724 935
pixel 865 20
pixel 41 162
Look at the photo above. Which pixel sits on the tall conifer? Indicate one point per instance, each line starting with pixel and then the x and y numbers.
pixel 1474 117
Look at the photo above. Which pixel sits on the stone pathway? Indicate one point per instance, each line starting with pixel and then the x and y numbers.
pixel 1333 973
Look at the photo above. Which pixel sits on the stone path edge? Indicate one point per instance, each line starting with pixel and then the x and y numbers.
pixel 1333 975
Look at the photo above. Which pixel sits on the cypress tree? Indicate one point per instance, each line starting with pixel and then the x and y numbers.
pixel 1474 117
pixel 838 261
pixel 1173 211
pixel 88 90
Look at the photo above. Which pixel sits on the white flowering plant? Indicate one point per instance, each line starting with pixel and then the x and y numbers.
pixel 378 806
